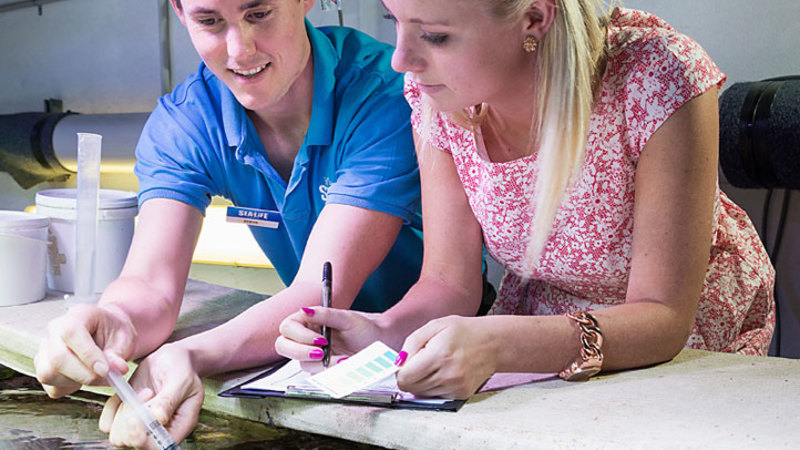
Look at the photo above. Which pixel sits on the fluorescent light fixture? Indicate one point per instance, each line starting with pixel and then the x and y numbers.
pixel 227 243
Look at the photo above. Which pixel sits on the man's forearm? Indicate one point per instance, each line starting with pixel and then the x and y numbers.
pixel 151 315
pixel 247 340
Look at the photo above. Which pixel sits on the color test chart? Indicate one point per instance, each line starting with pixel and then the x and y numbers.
pixel 361 370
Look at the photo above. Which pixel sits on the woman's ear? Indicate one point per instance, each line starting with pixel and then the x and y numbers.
pixel 539 18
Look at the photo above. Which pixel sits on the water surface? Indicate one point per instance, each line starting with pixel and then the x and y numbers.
pixel 31 420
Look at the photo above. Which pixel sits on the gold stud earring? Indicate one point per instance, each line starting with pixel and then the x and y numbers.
pixel 529 44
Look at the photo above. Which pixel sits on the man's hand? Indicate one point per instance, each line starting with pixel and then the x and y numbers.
pixel 80 346
pixel 166 380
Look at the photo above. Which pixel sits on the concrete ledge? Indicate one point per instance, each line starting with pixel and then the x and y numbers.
pixel 698 400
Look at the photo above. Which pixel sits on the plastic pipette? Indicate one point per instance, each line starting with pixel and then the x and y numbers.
pixel 88 192
pixel 154 428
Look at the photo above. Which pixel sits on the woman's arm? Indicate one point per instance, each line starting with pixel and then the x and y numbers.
pixel 451 277
pixel 675 188
pixel 676 181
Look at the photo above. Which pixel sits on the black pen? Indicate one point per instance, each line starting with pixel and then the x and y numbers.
pixel 327 275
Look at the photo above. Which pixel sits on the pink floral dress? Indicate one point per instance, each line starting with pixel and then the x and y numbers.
pixel 652 70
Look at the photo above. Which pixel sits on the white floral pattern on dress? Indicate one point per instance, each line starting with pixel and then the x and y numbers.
pixel 652 70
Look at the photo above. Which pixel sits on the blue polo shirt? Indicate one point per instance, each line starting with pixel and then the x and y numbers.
pixel 358 151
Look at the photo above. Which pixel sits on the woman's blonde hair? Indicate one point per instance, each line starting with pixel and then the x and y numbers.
pixel 567 70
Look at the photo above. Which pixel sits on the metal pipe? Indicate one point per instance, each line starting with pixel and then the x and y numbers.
pixel 166 51
pixel 120 134
pixel 26 4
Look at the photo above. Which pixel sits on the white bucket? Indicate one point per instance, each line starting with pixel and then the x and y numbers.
pixel 115 221
pixel 23 256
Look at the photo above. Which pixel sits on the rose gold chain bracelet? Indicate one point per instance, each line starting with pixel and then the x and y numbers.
pixel 590 361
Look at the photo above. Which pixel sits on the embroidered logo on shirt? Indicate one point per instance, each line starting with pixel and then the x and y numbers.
pixel 323 189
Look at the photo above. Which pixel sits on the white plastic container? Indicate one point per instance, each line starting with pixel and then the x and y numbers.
pixel 115 222
pixel 23 257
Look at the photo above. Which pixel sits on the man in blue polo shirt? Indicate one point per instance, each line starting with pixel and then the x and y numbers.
pixel 355 149
pixel 305 127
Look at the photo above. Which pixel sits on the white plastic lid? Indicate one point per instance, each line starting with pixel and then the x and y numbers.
pixel 18 220
pixel 67 198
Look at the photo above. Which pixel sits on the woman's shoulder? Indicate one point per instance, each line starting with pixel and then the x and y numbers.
pixel 652 71
pixel 640 43
pixel 632 30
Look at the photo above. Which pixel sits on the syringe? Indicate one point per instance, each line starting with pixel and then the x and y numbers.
pixel 154 428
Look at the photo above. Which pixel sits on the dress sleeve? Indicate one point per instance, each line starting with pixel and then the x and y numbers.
pixel 430 126
pixel 666 69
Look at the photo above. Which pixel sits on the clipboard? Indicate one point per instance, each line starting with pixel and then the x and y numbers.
pixel 385 398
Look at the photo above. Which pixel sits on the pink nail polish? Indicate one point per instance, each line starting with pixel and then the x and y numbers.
pixel 341 359
pixel 316 354
pixel 320 341
pixel 308 311
pixel 401 358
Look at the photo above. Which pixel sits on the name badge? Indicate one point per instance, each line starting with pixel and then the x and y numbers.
pixel 253 216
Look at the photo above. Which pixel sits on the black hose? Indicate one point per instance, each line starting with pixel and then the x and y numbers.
pixel 26 148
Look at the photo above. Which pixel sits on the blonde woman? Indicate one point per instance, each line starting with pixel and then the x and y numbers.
pixel 582 152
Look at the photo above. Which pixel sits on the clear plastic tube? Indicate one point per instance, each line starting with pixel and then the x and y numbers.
pixel 88 192
pixel 154 428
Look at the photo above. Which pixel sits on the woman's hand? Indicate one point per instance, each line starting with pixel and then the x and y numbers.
pixel 167 380
pixel 300 337
pixel 449 357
